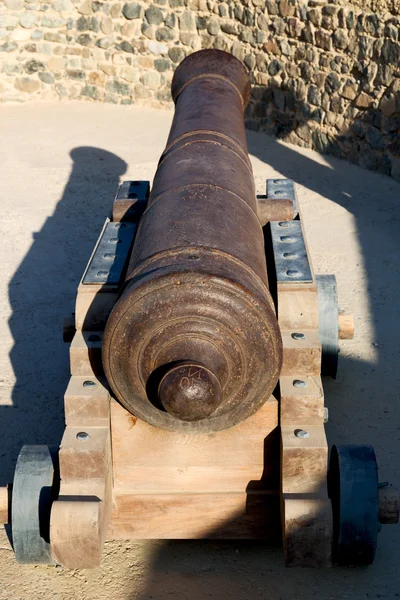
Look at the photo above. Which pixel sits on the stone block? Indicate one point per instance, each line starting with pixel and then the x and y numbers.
pixel 26 84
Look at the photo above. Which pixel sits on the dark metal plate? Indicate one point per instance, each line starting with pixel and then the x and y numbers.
pixel 290 253
pixel 108 262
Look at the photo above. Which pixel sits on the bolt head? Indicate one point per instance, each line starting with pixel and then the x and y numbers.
pixel 89 383
pixel 299 383
pixel 298 336
pixel 82 436
pixel 301 433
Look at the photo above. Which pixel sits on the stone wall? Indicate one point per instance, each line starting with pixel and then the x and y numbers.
pixel 325 74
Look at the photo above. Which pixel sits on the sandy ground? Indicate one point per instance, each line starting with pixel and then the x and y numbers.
pixel 59 169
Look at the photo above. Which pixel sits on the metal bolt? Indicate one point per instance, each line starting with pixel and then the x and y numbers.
pixel 292 273
pixel 102 273
pixel 115 240
pixel 300 433
pixel 278 193
pixel 89 383
pixel 299 383
pixel 298 336
pixel 326 414
pixel 82 435
pixel 285 224
pixel 289 255
pixel 288 239
pixel 109 255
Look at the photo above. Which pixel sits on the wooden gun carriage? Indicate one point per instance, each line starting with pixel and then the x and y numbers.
pixel 195 407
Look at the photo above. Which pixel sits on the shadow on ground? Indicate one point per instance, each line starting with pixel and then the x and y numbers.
pixel 42 292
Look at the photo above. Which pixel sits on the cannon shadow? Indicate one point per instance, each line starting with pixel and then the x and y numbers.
pixel 41 293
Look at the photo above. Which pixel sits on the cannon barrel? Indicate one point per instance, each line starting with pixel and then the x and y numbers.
pixel 193 343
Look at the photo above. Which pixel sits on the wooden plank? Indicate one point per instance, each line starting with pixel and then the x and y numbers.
pixel 94 305
pixel 297 307
pixel 304 461
pixel 86 400
pixel 150 460
pixel 75 531
pixel 195 516
pixel 4 506
pixel 388 505
pixel 308 531
pixel 80 516
pixel 84 459
pixel 306 508
pixel 301 404
pixel 301 355
pixel 346 326
pixel 85 354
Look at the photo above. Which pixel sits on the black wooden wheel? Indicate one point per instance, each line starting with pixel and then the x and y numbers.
pixel 328 326
pixel 353 489
pixel 35 487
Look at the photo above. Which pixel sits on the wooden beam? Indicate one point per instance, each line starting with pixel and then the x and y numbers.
pixel 4 505
pixel 301 352
pixel 149 460
pixel 346 326
pixel 80 516
pixel 237 515
pixel 85 354
pixel 306 508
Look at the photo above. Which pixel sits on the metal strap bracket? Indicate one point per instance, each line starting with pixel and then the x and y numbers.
pixel 290 253
pixel 107 264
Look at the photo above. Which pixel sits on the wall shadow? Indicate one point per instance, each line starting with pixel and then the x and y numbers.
pixel 376 229
pixel 41 293
pixel 370 141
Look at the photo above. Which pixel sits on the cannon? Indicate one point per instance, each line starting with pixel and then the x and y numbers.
pixel 195 407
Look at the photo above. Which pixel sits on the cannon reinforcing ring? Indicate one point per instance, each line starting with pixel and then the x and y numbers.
pixel 35 485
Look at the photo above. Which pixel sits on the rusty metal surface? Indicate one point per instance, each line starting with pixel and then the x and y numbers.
pixel 269 209
pixel 196 288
